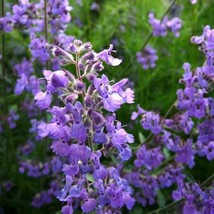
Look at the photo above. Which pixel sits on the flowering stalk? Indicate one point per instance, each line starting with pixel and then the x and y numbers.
pixel 188 133
pixel 83 134
pixel 146 54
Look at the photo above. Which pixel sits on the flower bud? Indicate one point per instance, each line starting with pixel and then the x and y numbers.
pixel 80 86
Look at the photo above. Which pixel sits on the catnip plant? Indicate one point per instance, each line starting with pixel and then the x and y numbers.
pixel 89 161
pixel 85 131
pixel 174 142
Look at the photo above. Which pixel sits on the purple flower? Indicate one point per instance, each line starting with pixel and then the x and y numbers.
pixel 100 137
pixel 129 201
pixel 210 151
pixel 79 132
pixel 147 58
pixel 55 79
pixel 151 121
pixel 21 84
pixel 12 118
pixel 6 24
pixel 89 205
pixel 71 169
pixel 206 131
pixel 159 27
pixel 105 56
pixel 100 173
pixel 79 152
pixel 189 209
pixel 67 209
pixel 150 158
pixel 95 6
pixel 174 25
pixel 43 99
pixel 38 48
pixel 60 148
pixel 186 154
pixel 206 43
pixel 63 57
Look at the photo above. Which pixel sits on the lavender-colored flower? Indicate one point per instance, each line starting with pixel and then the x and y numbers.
pixel 12 118
pixel 206 43
pixel 147 58
pixel 21 84
pixel 38 48
pixel 174 26
pixel 151 121
pixel 67 209
pixel 43 99
pixel 206 131
pixel 56 79
pixel 189 209
pixel 25 67
pixel 89 205
pixel 150 158
pixel 60 148
pixel 105 56
pixel 159 27
pixel 186 153
pixel 113 96
pixel 6 24
pixel 95 6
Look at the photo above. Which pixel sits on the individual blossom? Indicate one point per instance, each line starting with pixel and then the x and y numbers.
pixel 12 118
pixel 159 27
pixel 105 56
pixel 147 58
pixel 205 42
pixel 6 23
pixel 38 48
pixel 150 158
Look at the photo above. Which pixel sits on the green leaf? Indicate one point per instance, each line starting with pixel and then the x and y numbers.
pixel 141 137
pixel 161 199
pixel 189 176
pixel 166 153
pixel 89 178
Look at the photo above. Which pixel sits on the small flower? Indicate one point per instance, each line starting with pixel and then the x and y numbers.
pixel 43 99
pixel 106 57
pixel 89 205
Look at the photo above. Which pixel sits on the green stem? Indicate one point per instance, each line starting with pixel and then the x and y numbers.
pixel 46 20
pixel 149 36
pixel 3 64
pixel 46 26
pixel 151 33
pixel 77 67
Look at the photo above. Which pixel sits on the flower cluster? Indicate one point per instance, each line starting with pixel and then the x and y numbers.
pixel 74 112
pixel 147 58
pixel 186 134
pixel 36 20
pixel 161 27
pixel 83 134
